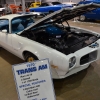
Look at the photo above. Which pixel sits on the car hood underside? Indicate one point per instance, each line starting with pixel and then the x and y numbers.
pixel 65 14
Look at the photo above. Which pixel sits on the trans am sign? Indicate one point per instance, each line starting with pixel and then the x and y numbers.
pixel 33 81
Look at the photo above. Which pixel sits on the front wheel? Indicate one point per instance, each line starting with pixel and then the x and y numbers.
pixel 33 11
pixel 51 12
pixel 29 57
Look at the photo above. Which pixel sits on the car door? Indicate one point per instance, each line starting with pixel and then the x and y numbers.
pixel 43 7
pixel 46 7
pixel 5 35
pixel 97 14
pixel 91 15
pixel 16 27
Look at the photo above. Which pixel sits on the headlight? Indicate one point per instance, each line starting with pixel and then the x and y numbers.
pixel 72 62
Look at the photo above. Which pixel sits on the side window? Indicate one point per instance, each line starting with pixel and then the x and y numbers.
pixel 4 25
pixel 32 5
pixel 16 25
pixel 46 4
pixel 42 5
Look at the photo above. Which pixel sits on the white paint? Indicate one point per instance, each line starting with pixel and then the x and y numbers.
pixel 17 45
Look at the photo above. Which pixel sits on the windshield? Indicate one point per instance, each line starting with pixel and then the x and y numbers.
pixel 18 24
pixel 56 3
pixel 4 25
pixel 74 5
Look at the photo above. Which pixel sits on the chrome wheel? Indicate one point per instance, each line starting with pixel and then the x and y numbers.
pixel 82 18
pixel 29 57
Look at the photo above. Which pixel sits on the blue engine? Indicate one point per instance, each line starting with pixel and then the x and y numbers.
pixel 53 30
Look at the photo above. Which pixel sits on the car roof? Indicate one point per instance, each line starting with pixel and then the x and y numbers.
pixel 11 16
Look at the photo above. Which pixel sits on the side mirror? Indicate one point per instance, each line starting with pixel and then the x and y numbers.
pixel 4 31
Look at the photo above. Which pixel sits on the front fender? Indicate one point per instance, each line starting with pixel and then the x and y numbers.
pixel 33 51
pixel 58 61
pixel 41 53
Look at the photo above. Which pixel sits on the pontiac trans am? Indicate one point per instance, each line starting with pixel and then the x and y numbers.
pixel 69 49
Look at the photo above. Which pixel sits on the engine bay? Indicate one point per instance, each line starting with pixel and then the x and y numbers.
pixel 64 39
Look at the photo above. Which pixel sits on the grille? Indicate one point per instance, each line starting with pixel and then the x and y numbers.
pixel 88 58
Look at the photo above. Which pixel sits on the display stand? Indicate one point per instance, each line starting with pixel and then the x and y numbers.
pixel 33 81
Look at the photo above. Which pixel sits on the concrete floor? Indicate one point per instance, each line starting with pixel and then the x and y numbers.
pixel 84 85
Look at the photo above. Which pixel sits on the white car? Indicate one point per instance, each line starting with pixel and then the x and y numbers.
pixel 1 9
pixel 69 49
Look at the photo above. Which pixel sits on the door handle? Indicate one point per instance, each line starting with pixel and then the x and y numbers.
pixel 20 45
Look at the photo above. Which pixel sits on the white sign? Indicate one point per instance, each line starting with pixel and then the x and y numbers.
pixel 33 81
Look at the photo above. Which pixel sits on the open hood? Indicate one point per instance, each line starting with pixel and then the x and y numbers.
pixel 64 15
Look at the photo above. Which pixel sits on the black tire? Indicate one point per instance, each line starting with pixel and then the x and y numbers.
pixel 33 11
pixel 0 48
pixel 29 57
pixel 82 18
pixel 36 16
pixel 51 12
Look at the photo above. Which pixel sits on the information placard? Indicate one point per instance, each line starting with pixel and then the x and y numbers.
pixel 33 81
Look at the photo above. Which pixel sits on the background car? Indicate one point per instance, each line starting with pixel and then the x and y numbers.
pixel 49 7
pixel 35 4
pixel 2 9
pixel 16 9
pixel 93 15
